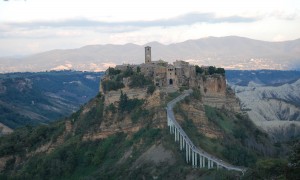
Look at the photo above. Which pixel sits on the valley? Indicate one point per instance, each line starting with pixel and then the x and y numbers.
pixel 271 99
pixel 40 98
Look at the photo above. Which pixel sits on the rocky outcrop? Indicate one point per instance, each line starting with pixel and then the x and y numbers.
pixel 196 112
pixel 214 85
pixel 215 92
pixel 276 109
pixel 116 122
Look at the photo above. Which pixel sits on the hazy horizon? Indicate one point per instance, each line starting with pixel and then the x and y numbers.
pixel 139 44
pixel 34 26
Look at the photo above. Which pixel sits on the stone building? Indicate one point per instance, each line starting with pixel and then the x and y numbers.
pixel 178 74
pixel 147 54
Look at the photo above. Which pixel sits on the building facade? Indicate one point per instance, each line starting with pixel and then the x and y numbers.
pixel 178 74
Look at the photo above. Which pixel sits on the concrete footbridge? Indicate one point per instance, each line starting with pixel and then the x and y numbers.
pixel 194 155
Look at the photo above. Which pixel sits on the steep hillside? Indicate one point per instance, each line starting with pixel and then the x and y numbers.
pixel 128 138
pixel 37 98
pixel 230 52
pixel 271 99
pixel 275 109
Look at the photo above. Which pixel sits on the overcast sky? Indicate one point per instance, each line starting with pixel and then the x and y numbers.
pixel 31 26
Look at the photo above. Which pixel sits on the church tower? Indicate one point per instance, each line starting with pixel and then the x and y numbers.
pixel 147 54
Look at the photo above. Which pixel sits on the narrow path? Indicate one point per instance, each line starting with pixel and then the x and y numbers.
pixel 196 156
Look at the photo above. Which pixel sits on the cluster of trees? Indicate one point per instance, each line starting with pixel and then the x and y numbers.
pixel 127 105
pixel 109 85
pixel 131 106
pixel 113 71
pixel 210 70
pixel 137 79
pixel 29 138
pixel 92 119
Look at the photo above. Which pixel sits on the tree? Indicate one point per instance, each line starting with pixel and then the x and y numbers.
pixel 113 71
pixel 128 72
pixel 138 69
pixel 220 71
pixel 139 80
pixel 123 101
pixel 151 89
pixel 109 85
pixel 211 70
pixel 199 70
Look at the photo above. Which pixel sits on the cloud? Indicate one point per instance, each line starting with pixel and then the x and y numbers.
pixel 187 19
pixel 77 27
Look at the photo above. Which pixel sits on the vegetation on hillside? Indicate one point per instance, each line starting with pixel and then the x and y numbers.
pixel 37 98
pixel 124 155
pixel 136 80
pixel 242 144
pixel 77 159
pixel 29 138
pixel 209 71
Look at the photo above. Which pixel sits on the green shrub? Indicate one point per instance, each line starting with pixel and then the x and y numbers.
pixel 151 88
pixel 196 94
pixel 138 113
pixel 128 72
pixel 113 71
pixel 139 80
pixel 111 107
pixel 199 70
pixel 109 85
pixel 126 104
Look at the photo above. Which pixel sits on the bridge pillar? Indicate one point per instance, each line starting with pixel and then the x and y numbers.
pixel 190 153
pixel 180 143
pixel 175 131
pixel 208 163
pixel 212 164
pixel 186 153
pixel 193 159
pixel 200 161
pixel 196 159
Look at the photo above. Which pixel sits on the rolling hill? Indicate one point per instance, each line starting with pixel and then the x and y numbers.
pixel 230 52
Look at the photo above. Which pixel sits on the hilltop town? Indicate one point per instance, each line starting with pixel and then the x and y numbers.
pixel 176 75
pixel 140 80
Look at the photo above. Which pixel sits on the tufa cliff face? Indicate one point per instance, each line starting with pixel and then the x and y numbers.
pixel 215 92
pixel 212 88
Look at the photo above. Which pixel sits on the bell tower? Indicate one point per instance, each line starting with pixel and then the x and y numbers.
pixel 147 54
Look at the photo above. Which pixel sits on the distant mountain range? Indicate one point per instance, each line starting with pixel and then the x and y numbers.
pixel 230 52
